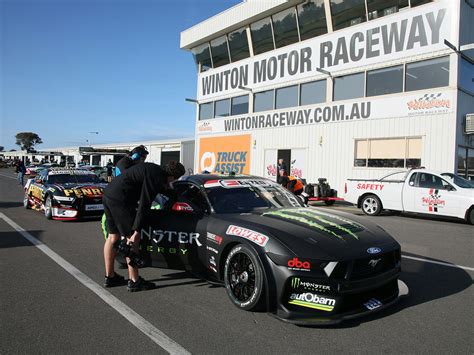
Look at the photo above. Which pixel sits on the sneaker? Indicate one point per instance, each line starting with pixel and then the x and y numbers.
pixel 140 285
pixel 116 280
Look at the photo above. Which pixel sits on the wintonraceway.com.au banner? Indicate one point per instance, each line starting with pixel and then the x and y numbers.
pixel 420 103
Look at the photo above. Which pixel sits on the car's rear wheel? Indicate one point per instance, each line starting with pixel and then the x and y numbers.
pixel 243 278
pixel 26 202
pixel 48 208
pixel 371 205
pixel 470 216
pixel 329 202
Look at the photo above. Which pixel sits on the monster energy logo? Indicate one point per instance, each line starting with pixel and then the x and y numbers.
pixel 296 283
pixel 319 221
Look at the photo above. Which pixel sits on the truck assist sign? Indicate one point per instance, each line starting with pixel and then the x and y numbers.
pixel 225 154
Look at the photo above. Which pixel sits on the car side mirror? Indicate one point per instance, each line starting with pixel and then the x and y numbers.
pixel 450 188
pixel 182 207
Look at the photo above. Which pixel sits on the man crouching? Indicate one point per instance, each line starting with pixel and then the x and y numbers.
pixel 127 200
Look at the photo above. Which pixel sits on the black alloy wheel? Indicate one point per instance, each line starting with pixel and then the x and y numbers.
pixel 48 208
pixel 243 278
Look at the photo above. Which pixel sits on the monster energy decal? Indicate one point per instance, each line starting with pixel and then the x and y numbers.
pixel 320 221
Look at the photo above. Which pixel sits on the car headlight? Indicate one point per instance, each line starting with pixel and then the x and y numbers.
pixel 64 198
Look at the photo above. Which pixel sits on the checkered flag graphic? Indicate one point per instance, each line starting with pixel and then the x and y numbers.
pixel 429 97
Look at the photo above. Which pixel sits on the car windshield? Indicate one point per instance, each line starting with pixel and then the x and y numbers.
pixel 240 196
pixel 72 179
pixel 459 181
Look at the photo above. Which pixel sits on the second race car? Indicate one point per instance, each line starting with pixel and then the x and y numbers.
pixel 305 265
pixel 65 194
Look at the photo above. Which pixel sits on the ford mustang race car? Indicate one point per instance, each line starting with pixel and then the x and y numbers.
pixel 272 253
pixel 65 194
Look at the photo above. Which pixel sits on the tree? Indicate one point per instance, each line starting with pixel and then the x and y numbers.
pixel 27 140
pixel 2 148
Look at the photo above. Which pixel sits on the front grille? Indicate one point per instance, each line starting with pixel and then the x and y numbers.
pixel 374 265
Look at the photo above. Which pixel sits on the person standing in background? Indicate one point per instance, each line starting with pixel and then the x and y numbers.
pixel 20 169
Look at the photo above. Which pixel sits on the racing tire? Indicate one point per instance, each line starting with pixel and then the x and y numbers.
pixel 244 278
pixel 329 202
pixel 371 205
pixel 26 202
pixel 470 215
pixel 48 208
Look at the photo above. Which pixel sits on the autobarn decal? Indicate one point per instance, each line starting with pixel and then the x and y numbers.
pixel 311 300
pixel 433 201
pixel 255 237
pixel 159 236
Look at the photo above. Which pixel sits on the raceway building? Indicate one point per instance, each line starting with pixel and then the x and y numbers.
pixel 338 88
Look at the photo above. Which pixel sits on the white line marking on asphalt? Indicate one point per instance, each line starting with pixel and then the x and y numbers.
pixel 129 314
pixel 9 176
pixel 438 262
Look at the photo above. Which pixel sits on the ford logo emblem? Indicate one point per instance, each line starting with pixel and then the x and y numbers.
pixel 374 250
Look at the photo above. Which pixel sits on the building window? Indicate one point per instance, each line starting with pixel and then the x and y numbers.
pixel 385 81
pixel 222 108
pixel 262 36
pixel 220 52
pixel 427 74
pixel 284 28
pixel 202 57
pixel 312 19
pixel 240 105
pixel 349 86
pixel 238 45
pixel 380 8
pixel 388 153
pixel 263 101
pixel 466 76
pixel 347 13
pixel 206 111
pixel 466 162
pixel 286 97
pixel 313 93
pixel 414 3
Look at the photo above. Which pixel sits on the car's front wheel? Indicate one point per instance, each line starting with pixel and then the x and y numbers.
pixel 244 278
pixel 48 208
pixel 371 205
pixel 470 216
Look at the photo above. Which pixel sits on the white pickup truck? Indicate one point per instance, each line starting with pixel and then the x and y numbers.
pixel 418 190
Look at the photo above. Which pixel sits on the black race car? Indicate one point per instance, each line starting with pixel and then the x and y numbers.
pixel 65 194
pixel 272 253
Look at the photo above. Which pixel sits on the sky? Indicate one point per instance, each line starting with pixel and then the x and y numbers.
pixel 72 67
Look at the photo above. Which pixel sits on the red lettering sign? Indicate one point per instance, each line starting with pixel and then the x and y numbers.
pixel 295 263
pixel 249 234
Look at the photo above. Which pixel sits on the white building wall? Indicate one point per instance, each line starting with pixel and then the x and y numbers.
pixel 187 155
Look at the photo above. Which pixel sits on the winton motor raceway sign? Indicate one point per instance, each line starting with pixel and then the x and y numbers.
pixel 421 30
pixel 225 154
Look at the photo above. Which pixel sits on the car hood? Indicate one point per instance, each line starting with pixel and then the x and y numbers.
pixel 78 190
pixel 315 233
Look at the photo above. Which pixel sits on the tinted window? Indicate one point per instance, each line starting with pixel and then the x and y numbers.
pixel 284 28
pixel 313 93
pixel 206 111
pixel 427 74
pixel 312 19
pixel 349 87
pixel 380 8
pixel 220 52
pixel 222 108
pixel 287 97
pixel 240 105
pixel 74 179
pixel 419 2
pixel 429 181
pixel 238 44
pixel 262 37
pixel 385 81
pixel 347 13
pixel 263 101
pixel 246 199
pixel 202 56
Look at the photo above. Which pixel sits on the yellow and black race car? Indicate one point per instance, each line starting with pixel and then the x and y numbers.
pixel 65 194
